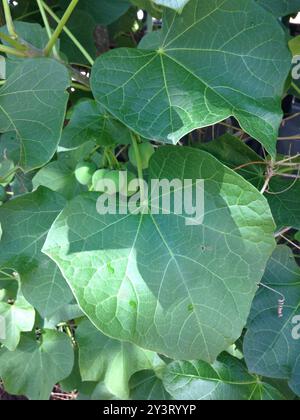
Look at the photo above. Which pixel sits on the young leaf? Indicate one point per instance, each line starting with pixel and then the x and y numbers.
pixel 57 176
pixel 184 291
pixel 32 104
pixel 271 345
pixel 110 361
pixel 36 366
pixel 19 317
pixel 227 379
pixel 25 222
pixel 214 61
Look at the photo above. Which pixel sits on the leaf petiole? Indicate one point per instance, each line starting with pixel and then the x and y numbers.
pixel 139 165
pixel 60 27
pixel 9 20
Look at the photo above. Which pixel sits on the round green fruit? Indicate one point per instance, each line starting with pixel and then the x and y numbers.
pixel 130 188
pixel 2 193
pixel 146 151
pixel 84 172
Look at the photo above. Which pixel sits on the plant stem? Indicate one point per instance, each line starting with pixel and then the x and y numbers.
pixel 81 87
pixel 47 26
pixel 12 51
pixel 294 86
pixel 139 166
pixel 9 20
pixel 60 27
pixel 12 42
pixel 69 33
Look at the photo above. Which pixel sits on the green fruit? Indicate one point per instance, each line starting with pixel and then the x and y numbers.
pixel 125 189
pixel 146 151
pixel 84 172
pixel 97 178
pixel 2 193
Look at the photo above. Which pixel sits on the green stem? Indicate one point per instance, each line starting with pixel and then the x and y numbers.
pixel 9 20
pixel 296 87
pixel 12 42
pixel 10 173
pixel 69 33
pixel 12 51
pixel 60 27
pixel 139 165
pixel 47 26
pixel 81 87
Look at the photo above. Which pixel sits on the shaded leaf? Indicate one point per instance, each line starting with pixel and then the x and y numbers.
pixel 145 385
pixel 36 366
pixel 32 104
pixel 281 7
pixel 271 346
pixel 25 222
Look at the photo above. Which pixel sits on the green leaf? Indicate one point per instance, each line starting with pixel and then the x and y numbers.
pixel 227 379
pixel 57 176
pixel 110 361
pixel 284 200
pixel 283 194
pixel 145 385
pixel 281 7
pixel 36 366
pixel 183 291
pixel 271 346
pixel 235 154
pixel 19 317
pixel 25 222
pixel 214 61
pixel 32 104
pixel 90 121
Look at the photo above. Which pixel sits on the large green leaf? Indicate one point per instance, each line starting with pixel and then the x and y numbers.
pixel 216 59
pixel 226 379
pixel 281 7
pixel 90 121
pixel 32 104
pixel 271 347
pixel 36 366
pixel 180 290
pixel 19 317
pixel 110 361
pixel 25 223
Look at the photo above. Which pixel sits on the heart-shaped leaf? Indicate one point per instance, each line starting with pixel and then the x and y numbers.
pixel 32 104
pixel 214 60
pixel 36 366
pixel 184 291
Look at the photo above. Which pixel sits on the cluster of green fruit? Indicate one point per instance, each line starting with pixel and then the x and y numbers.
pixel 87 173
